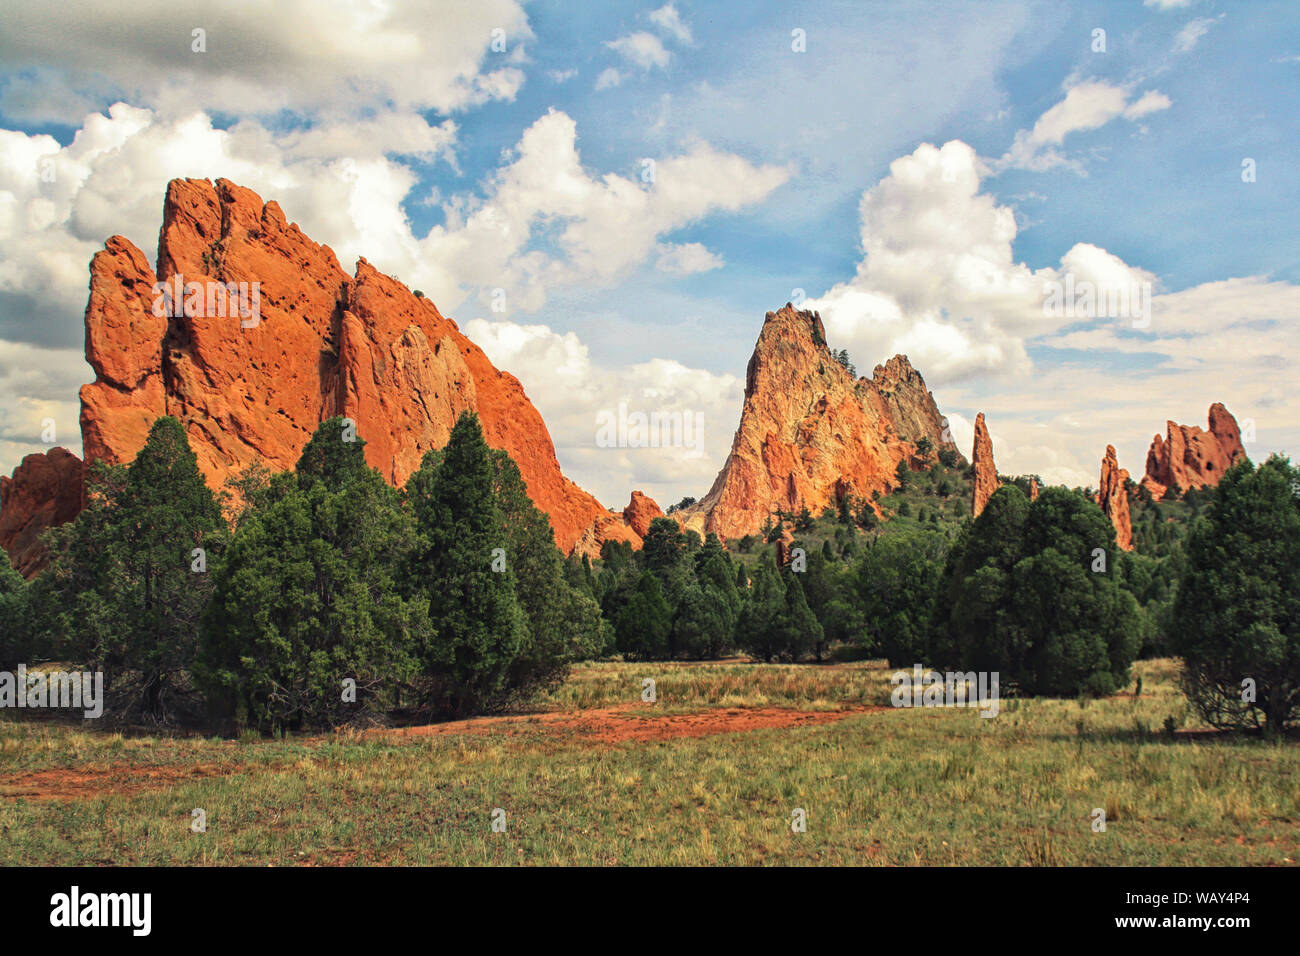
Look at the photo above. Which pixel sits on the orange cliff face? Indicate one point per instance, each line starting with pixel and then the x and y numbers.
pixel 1192 458
pixel 810 433
pixel 253 384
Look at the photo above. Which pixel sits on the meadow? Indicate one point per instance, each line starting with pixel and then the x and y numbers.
pixel 711 772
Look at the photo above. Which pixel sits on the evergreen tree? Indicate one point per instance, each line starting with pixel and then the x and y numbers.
pixel 644 624
pixel 1024 594
pixel 480 626
pixel 308 599
pixel 126 586
pixel 564 623
pixel 893 586
pixel 761 628
pixel 1237 613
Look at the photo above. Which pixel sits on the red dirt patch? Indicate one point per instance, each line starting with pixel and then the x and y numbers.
pixel 608 725
pixel 638 722
pixel 117 779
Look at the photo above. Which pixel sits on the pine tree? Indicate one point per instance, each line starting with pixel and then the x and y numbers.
pixel 308 599
pixel 124 591
pixel 480 626
pixel 644 624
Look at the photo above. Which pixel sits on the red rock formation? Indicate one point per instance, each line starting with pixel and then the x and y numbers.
pixel 45 491
pixel 1112 495
pixel 1192 458
pixel 986 473
pixel 640 511
pixel 304 341
pixel 810 433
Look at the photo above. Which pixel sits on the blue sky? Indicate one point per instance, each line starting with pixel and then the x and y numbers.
pixel 876 170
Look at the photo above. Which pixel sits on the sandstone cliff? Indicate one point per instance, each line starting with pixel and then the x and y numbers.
pixel 1112 495
pixel 986 473
pixel 252 372
pixel 1192 458
pixel 810 433
pixel 45 491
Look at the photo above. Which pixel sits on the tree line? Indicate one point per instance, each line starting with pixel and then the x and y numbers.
pixel 322 595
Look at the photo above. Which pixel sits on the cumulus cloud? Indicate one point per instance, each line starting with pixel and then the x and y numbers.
pixel 1088 105
pixel 301 55
pixel 570 391
pixel 601 226
pixel 939 281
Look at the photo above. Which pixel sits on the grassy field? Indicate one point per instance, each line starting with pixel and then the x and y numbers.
pixel 601 778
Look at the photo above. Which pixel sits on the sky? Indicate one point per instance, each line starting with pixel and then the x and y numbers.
pixel 609 197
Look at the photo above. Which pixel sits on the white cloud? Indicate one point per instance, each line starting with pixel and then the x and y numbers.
pixel 1088 105
pixel 1168 4
pixel 562 76
pixel 300 55
pixel 687 258
pixel 600 227
pixel 570 391
pixel 609 78
pixel 939 281
pixel 644 50
pixel 1191 34
pixel 668 20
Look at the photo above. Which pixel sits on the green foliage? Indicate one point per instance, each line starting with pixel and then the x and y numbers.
pixel 645 622
pixel 456 569
pixel 903 475
pixel 120 595
pixel 306 599
pixel 1237 613
pixel 1020 596
pixel 564 622
pixel 15 634
pixel 893 583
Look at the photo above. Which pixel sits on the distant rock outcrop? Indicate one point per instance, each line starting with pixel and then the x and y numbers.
pixel 1112 495
pixel 1191 458
pixel 640 511
pixel 986 473
pixel 44 492
pixel 810 433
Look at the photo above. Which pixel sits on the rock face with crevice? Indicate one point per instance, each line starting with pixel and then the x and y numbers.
pixel 811 434
pixel 252 384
